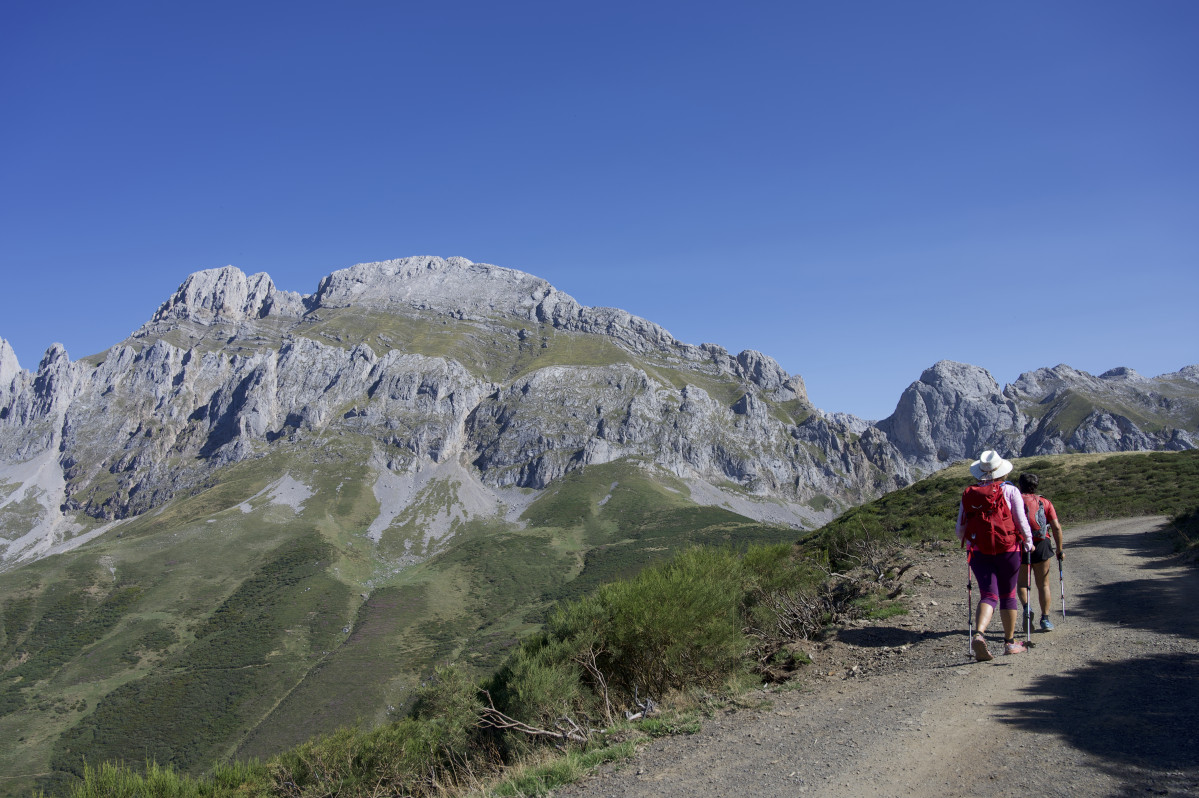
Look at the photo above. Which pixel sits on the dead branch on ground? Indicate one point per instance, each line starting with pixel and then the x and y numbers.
pixel 565 729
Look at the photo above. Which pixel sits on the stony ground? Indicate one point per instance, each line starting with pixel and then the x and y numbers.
pixel 1107 704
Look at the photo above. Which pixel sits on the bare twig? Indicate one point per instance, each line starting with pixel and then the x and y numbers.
pixel 492 718
pixel 647 707
pixel 869 550
pixel 588 660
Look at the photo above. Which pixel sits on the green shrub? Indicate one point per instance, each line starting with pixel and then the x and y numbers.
pixel 1186 529
pixel 451 702
pixel 409 757
pixel 670 627
pixel 543 683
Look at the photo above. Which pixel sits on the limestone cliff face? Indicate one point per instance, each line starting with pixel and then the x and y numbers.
pixel 1118 411
pixel 229 295
pixel 953 412
pixel 425 361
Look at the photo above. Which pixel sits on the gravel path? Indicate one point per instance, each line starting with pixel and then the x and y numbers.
pixel 1105 705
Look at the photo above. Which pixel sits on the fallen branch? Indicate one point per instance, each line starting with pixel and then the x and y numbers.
pixel 492 718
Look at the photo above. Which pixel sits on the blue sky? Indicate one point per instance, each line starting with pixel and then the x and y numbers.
pixel 856 189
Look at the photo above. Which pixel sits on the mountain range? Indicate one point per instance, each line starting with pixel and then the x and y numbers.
pixel 278 511
pixel 494 377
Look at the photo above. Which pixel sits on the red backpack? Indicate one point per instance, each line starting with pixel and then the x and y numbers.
pixel 990 527
pixel 1034 508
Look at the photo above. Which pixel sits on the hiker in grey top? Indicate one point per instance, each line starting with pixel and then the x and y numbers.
pixel 1042 517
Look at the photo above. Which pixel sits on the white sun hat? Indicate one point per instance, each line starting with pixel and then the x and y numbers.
pixel 990 465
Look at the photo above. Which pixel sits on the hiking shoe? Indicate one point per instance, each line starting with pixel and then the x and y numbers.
pixel 979 646
pixel 1014 647
pixel 1046 626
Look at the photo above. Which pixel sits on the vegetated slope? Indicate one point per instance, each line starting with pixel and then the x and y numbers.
pixel 1082 487
pixel 263 617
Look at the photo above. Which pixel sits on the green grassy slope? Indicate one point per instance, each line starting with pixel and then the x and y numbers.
pixel 227 624
pixel 1082 487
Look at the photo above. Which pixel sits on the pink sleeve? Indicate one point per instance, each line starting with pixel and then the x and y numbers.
pixel 1016 502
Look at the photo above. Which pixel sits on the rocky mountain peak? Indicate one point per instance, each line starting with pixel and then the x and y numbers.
pixel 1044 384
pixel 9 366
pixel 1122 373
pixel 953 412
pixel 963 379
pixel 1190 373
pixel 231 367
pixel 451 286
pixel 227 294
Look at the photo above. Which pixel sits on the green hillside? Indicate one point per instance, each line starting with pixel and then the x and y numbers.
pixel 1082 487
pixel 262 623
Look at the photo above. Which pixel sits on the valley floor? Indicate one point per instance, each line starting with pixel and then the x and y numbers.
pixel 1107 704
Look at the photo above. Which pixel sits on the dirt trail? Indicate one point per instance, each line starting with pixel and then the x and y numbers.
pixel 1107 704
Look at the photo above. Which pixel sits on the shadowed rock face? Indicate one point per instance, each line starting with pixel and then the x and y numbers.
pixel 423 361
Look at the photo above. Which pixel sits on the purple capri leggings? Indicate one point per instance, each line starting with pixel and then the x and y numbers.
pixel 997 575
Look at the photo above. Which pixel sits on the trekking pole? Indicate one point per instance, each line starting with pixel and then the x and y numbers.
pixel 969 608
pixel 1061 580
pixel 1028 615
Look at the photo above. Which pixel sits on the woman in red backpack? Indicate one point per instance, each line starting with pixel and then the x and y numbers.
pixel 992 522
pixel 1041 514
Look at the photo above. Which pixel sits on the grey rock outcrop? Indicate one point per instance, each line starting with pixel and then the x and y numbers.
pixel 1071 410
pixel 953 412
pixel 227 294
pixel 956 411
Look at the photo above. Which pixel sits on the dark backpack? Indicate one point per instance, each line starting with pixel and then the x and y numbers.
pixel 1034 508
pixel 990 527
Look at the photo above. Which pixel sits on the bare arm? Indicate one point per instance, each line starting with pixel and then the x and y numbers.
pixel 1056 526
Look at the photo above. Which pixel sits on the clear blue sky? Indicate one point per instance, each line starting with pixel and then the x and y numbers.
pixel 856 189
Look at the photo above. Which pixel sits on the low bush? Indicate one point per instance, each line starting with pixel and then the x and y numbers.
pixel 411 757
pixel 669 628
pixel 1186 530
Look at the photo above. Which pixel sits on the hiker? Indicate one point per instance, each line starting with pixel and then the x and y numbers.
pixel 1042 518
pixel 992 523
